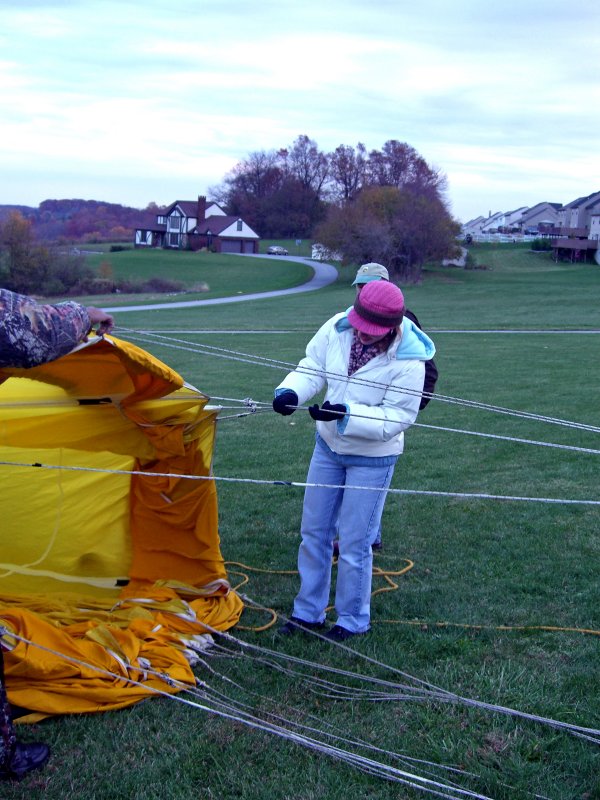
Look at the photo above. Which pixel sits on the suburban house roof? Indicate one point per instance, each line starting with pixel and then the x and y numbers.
pixel 189 207
pixel 531 212
pixel 522 209
pixel 594 200
pixel 216 224
pixel 580 201
pixel 148 222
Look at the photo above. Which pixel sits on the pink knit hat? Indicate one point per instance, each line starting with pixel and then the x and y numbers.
pixel 377 309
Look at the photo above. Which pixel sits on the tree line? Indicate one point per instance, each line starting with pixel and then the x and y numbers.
pixel 76 220
pixel 29 266
pixel 384 205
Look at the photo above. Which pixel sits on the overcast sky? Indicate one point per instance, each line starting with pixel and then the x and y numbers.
pixel 132 102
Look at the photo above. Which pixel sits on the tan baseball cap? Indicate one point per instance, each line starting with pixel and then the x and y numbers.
pixel 371 272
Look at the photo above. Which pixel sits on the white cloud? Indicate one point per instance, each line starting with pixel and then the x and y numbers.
pixel 158 95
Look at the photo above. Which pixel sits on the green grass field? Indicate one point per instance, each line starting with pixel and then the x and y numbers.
pixel 501 604
pixel 204 275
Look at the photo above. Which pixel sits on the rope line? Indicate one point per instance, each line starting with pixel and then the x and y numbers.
pixel 305 484
pixel 237 355
pixel 515 439
pixel 426 690
pixel 361 742
pixel 362 763
pixel 590 734
pixel 263 406
pixel 479 627
pixel 387 576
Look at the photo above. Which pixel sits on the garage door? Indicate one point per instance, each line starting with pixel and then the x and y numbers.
pixel 231 246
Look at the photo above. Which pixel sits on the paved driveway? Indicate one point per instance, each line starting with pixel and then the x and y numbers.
pixel 324 274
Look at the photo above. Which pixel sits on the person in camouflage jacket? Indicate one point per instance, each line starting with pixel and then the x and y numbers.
pixel 32 334
pixel 8 739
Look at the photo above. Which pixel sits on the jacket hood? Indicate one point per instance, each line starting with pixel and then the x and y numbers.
pixel 414 343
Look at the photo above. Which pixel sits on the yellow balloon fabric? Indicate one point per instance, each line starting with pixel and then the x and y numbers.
pixel 98 564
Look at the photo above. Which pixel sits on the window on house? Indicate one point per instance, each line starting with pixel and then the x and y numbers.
pixel 239 224
pixel 174 223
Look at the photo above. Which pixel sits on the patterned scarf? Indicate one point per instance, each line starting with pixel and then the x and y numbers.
pixel 361 354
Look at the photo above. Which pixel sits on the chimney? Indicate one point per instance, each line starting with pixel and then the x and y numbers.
pixel 201 208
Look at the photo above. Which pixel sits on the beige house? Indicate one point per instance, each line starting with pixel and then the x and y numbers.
pixel 544 214
pixel 577 213
pixel 594 226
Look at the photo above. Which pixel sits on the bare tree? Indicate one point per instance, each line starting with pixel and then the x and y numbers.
pixel 308 164
pixel 347 169
pixel 278 192
pixel 398 164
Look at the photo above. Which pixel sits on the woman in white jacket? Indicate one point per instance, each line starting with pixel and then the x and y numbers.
pixel 372 361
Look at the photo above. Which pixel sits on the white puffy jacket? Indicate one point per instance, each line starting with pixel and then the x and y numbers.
pixel 382 397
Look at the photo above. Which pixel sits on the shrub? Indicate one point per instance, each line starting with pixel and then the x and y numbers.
pixel 541 244
pixel 470 261
pixel 100 286
pixel 129 287
pixel 199 287
pixel 52 287
pixel 162 285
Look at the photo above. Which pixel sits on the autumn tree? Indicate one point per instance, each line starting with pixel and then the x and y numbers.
pixel 389 207
pixel 398 227
pixel 27 266
pixel 22 267
pixel 289 192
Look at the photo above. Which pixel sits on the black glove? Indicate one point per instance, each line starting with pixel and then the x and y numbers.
pixel 283 400
pixel 327 412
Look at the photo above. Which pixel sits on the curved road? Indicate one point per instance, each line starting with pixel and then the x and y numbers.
pixel 324 274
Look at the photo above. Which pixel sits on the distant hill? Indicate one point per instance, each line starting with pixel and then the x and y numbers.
pixel 81 220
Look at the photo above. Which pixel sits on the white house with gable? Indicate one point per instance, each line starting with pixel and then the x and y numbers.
pixel 193 225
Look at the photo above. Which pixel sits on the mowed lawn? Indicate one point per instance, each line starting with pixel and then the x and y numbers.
pixel 499 600
pixel 202 275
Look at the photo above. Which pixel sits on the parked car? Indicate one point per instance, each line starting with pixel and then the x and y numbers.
pixel 275 250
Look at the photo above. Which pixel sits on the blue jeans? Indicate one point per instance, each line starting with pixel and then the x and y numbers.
pixel 358 514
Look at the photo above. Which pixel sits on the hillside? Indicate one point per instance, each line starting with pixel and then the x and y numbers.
pixel 81 220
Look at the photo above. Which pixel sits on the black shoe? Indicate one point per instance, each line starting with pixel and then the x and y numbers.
pixel 339 634
pixel 25 758
pixel 294 624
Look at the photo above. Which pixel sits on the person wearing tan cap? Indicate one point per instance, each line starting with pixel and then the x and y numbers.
pixel 370 272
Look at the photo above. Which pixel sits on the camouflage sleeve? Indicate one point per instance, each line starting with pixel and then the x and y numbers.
pixel 32 334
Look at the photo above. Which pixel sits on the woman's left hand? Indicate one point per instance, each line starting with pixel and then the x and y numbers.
pixel 327 412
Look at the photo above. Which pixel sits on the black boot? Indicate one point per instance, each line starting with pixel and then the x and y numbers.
pixel 25 758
